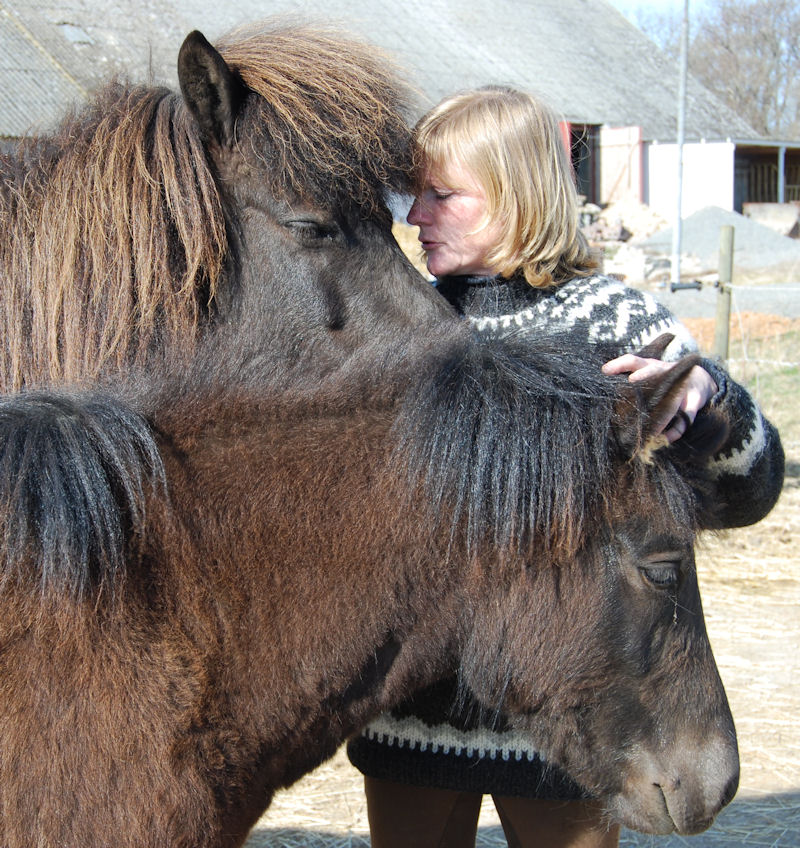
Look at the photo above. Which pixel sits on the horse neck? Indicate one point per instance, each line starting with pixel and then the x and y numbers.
pixel 285 483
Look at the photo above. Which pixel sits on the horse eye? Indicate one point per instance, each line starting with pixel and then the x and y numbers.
pixel 662 575
pixel 312 232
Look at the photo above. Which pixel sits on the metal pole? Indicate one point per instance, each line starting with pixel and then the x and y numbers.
pixel 675 264
pixel 723 320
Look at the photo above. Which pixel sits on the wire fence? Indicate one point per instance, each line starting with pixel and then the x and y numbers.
pixel 763 352
pixel 763 323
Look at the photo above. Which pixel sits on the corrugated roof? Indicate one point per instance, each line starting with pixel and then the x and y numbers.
pixel 583 56
pixel 34 89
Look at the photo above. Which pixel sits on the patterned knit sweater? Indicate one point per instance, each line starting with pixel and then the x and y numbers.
pixel 439 739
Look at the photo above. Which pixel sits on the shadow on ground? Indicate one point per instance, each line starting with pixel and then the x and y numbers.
pixel 772 820
pixel 792 471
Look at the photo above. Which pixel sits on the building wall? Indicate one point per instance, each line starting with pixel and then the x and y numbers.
pixel 621 177
pixel 708 177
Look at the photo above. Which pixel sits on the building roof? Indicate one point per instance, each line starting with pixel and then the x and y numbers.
pixel 584 57
pixel 33 86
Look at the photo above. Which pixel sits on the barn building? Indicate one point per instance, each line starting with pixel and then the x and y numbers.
pixel 616 92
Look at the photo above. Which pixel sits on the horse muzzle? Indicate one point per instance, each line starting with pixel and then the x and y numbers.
pixel 681 790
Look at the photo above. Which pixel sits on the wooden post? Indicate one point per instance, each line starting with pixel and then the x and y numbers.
pixel 723 321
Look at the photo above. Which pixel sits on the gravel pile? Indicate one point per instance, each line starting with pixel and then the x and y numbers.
pixel 756 249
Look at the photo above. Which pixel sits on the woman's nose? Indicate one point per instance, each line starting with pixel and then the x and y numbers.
pixel 415 213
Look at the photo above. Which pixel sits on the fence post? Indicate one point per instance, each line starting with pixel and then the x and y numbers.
pixel 723 320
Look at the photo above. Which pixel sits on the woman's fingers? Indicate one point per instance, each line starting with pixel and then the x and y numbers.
pixel 677 426
pixel 638 367
pixel 696 391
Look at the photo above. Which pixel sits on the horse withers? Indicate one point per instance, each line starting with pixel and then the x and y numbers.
pixel 327 494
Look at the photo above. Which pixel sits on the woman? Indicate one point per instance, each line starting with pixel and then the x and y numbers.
pixel 497 211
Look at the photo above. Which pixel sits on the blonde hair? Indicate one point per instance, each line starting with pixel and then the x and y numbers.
pixel 510 142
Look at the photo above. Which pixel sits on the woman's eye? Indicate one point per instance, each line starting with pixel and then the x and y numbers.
pixel 662 575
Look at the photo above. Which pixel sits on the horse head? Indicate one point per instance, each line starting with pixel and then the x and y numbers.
pixel 602 653
pixel 315 563
pixel 244 219
pixel 307 135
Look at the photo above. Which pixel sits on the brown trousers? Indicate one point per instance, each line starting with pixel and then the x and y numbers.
pixel 402 816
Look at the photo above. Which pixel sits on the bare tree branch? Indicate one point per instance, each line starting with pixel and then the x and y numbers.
pixel 747 52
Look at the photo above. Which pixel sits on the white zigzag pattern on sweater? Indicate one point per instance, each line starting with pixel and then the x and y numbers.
pixel 412 733
pixel 591 300
pixel 742 459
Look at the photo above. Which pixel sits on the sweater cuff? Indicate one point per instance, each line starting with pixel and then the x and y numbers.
pixel 720 377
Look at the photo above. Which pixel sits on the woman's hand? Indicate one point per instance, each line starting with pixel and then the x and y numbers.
pixel 698 389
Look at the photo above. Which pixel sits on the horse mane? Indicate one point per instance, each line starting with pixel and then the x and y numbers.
pixel 113 239
pixel 114 228
pixel 76 471
pixel 332 121
pixel 515 442
pixel 510 439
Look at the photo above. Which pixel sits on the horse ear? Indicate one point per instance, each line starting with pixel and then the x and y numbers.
pixel 655 349
pixel 641 411
pixel 211 90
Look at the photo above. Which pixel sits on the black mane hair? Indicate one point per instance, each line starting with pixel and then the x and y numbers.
pixel 75 473
pixel 516 440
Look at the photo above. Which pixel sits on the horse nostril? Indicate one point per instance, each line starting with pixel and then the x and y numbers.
pixel 672 785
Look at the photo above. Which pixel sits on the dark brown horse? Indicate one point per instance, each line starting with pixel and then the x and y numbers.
pixel 327 495
pixel 311 563
pixel 153 224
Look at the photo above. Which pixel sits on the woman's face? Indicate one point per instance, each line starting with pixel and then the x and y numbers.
pixel 449 211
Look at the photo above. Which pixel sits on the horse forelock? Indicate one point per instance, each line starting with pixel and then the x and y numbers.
pixel 114 239
pixel 515 445
pixel 332 112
